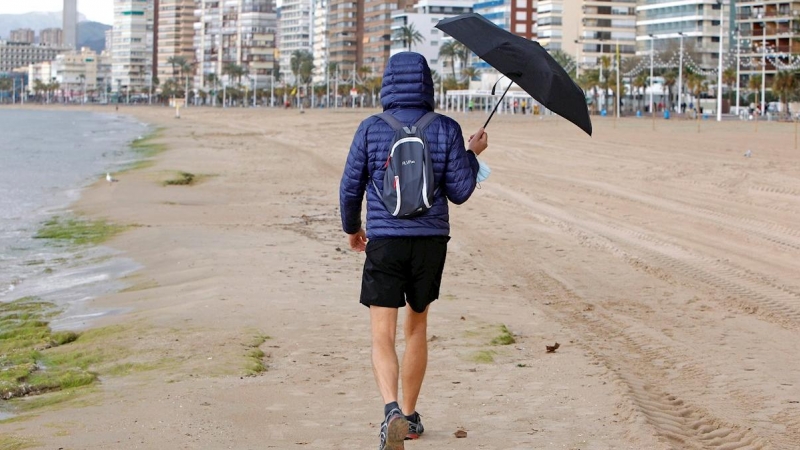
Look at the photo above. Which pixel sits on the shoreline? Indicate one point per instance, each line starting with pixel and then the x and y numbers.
pixel 251 259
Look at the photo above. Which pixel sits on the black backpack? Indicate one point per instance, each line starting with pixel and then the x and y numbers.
pixel 408 186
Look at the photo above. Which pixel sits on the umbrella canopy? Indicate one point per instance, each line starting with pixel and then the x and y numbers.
pixel 523 61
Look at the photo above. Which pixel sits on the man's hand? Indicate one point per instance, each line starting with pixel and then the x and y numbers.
pixel 478 142
pixel 358 241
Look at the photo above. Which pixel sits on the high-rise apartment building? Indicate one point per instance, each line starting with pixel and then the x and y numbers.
pixel 604 25
pixel 14 55
pixel 377 40
pixel 696 22
pixel 516 16
pixel 424 16
pixel 175 35
pixel 235 32
pixel 769 31
pixel 22 35
pixel 54 37
pixel 70 25
pixel 295 33
pixel 559 24
pixel 132 54
pixel 319 39
pixel 345 33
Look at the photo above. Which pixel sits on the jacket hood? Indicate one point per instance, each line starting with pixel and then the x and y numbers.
pixel 407 83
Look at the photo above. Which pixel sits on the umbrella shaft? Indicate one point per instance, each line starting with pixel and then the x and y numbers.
pixel 496 105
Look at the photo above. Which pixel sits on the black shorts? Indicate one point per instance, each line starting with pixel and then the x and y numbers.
pixel 400 270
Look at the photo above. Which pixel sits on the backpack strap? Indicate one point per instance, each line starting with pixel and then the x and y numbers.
pixel 388 118
pixel 426 120
pixel 421 124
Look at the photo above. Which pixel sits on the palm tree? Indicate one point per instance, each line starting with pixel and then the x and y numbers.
pixel 670 78
pixel 470 74
pixel 588 81
pixel 754 85
pixel 462 53
pixel 302 66
pixel 409 35
pixel 605 65
pixel 728 79
pixel 176 61
pixel 565 60
pixel 6 84
pixel 234 71
pixel 38 87
pixel 785 85
pixel 640 82
pixel 448 52
pixel 696 84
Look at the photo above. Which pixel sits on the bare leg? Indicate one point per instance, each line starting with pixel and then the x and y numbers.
pixel 384 355
pixel 415 358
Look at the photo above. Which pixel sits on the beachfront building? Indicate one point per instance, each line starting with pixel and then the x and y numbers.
pixel 237 34
pixel 319 39
pixel 175 35
pixel 70 23
pixel 22 36
pixel 133 41
pixel 76 72
pixel 377 40
pixel 54 37
pixel 295 33
pixel 345 34
pixel 768 31
pixel 666 24
pixel 424 16
pixel 604 26
pixel 558 25
pixel 14 55
pixel 42 71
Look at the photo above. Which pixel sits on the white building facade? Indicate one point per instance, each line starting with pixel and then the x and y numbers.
pixel 132 47
pixel 295 33
pixel 320 39
pixel 424 16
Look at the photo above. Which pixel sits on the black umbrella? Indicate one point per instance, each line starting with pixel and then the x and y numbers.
pixel 523 61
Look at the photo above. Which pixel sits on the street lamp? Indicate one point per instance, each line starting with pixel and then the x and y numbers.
pixel 680 76
pixel 578 58
pixel 719 68
pixel 738 54
pixel 764 68
pixel 652 40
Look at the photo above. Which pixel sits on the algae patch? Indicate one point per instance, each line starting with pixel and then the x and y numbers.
pixel 78 231
pixel 182 179
pixel 255 356
pixel 504 338
pixel 146 148
pixel 26 364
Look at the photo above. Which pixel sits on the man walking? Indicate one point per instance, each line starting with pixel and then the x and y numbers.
pixel 405 256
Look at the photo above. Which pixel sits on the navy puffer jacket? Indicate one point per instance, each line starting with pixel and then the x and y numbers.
pixel 407 94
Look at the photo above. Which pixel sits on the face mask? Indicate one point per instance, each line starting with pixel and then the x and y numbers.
pixel 483 171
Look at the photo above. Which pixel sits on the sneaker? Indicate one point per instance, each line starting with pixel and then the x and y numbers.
pixel 415 428
pixel 393 431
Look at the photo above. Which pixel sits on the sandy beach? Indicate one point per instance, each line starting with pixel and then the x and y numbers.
pixel 665 263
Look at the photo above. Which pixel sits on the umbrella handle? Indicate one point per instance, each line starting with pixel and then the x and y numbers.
pixel 496 105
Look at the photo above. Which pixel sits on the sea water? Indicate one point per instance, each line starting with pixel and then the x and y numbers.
pixel 46 158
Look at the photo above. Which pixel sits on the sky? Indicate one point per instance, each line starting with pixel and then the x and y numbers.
pixel 97 10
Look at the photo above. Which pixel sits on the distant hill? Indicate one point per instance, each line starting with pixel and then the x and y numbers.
pixel 92 35
pixel 36 21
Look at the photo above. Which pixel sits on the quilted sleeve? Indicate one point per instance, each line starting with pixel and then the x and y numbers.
pixel 461 169
pixel 354 182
